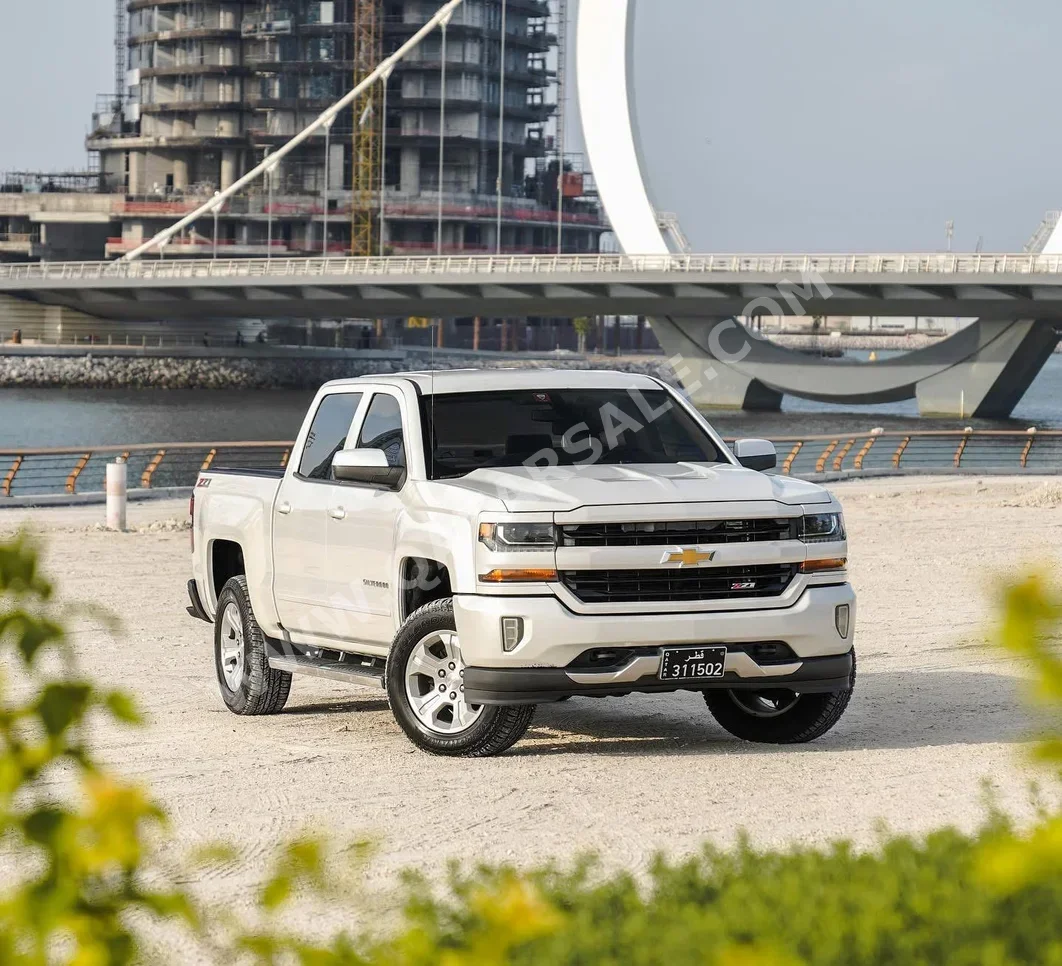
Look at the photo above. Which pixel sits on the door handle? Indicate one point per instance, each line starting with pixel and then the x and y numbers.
pixel 337 513
pixel 284 508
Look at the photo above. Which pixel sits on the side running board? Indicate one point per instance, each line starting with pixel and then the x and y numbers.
pixel 357 669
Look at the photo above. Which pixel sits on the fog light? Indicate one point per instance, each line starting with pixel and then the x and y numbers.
pixel 512 632
pixel 841 618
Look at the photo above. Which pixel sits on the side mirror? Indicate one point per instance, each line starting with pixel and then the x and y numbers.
pixel 756 454
pixel 367 466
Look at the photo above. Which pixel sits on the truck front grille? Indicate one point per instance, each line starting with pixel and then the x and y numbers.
pixel 680 532
pixel 704 583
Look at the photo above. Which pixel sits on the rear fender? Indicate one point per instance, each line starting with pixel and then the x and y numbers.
pixel 247 521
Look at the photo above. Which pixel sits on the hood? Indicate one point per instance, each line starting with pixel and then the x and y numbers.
pixel 562 489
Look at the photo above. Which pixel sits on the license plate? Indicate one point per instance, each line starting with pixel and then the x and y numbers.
pixel 693 663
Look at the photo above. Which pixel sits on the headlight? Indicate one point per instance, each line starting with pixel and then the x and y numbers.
pixel 514 537
pixel 822 528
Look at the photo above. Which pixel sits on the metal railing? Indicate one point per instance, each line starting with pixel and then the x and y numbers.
pixel 921 451
pixel 792 265
pixel 36 472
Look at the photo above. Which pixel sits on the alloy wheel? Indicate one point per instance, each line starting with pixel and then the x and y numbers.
pixel 435 685
pixel 232 647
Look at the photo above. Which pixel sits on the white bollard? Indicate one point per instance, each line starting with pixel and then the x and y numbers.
pixel 117 488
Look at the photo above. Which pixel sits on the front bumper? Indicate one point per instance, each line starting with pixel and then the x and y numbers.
pixel 539 669
pixel 542 685
pixel 554 636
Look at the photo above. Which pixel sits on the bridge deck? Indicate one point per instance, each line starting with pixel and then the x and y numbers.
pixel 1007 286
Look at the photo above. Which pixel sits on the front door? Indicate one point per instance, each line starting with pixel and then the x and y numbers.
pixel 300 523
pixel 361 534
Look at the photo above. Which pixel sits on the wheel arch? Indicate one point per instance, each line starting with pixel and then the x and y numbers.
pixel 226 560
pixel 422 580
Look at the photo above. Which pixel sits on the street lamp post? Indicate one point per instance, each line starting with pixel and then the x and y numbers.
pixel 384 80
pixel 442 136
pixel 562 93
pixel 501 127
pixel 270 172
pixel 217 212
pixel 328 157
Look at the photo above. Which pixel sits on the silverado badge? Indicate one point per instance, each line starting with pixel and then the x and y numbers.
pixel 688 557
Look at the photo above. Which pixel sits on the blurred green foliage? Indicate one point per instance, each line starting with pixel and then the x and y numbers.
pixel 74 832
pixel 83 886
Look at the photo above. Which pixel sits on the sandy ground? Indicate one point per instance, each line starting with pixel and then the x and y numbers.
pixel 935 715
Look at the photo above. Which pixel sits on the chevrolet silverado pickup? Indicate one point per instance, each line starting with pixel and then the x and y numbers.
pixel 478 543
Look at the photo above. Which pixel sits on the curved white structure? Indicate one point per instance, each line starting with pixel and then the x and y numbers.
pixel 1054 243
pixel 983 371
pixel 604 71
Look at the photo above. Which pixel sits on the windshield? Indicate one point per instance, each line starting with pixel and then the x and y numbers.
pixel 559 427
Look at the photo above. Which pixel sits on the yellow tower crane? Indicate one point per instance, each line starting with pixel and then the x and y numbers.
pixel 368 127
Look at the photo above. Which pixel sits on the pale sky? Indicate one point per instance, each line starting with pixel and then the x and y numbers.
pixel 839 125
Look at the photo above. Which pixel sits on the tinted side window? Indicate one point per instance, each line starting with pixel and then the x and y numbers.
pixel 328 434
pixel 383 429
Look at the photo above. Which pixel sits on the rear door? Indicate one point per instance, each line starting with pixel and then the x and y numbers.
pixel 361 531
pixel 300 522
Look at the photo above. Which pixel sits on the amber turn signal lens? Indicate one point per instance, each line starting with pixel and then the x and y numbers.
pixel 819 566
pixel 519 576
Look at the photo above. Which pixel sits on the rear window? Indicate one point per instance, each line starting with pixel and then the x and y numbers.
pixel 559 427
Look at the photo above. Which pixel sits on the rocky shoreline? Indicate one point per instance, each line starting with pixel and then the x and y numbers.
pixel 109 371
pixel 896 343
pixel 50 367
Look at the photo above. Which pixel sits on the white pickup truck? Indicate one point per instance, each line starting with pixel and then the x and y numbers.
pixel 478 543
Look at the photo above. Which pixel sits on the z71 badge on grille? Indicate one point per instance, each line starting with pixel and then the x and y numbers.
pixel 743 585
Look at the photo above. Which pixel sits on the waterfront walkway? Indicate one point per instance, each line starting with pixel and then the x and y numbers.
pixel 55 474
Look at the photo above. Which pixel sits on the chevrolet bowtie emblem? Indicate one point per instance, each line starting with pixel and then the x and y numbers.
pixel 688 557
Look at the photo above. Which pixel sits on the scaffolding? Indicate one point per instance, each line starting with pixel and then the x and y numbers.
pixel 368 128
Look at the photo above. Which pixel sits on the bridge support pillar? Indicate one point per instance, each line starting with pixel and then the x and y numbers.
pixel 700 350
pixel 990 382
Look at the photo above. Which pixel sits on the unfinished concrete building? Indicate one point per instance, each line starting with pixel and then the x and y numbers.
pixel 212 86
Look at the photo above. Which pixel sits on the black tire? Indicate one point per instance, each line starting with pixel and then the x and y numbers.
pixel 801 718
pixel 496 730
pixel 261 689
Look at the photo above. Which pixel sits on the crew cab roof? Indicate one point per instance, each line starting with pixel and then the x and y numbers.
pixel 447 381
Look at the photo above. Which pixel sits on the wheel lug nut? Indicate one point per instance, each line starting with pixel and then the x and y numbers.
pixel 462 672
pixel 462 689
pixel 442 687
pixel 452 665
pixel 453 696
pixel 442 673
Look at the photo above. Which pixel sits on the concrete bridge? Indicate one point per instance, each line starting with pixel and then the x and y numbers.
pixel 692 299
pixel 1000 287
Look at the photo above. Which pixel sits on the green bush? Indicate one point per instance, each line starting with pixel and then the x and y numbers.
pixel 79 894
pixel 912 902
